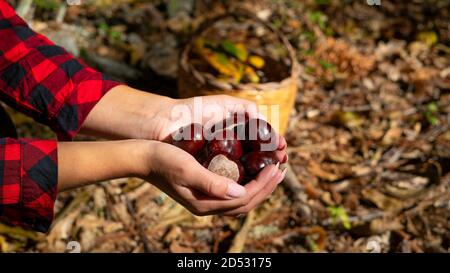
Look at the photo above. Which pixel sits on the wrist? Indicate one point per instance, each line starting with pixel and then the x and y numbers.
pixel 153 117
pixel 141 152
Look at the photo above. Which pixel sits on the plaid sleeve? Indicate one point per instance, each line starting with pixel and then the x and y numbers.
pixel 43 80
pixel 28 182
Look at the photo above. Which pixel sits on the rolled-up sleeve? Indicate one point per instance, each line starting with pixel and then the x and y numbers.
pixel 28 182
pixel 50 85
pixel 43 80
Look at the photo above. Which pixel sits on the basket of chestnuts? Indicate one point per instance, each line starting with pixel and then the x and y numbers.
pixel 238 54
pixel 237 147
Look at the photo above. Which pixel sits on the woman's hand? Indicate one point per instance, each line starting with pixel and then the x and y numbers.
pixel 125 113
pixel 201 191
pixel 206 110
pixel 171 169
pixel 128 113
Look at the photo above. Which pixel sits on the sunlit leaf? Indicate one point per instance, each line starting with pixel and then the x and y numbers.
pixel 238 51
pixel 251 75
pixel 430 38
pixel 103 27
pixel 430 113
pixel 256 61
pixel 432 107
pixel 319 18
pixel 349 119
pixel 46 4
pixel 219 61
pixel 340 213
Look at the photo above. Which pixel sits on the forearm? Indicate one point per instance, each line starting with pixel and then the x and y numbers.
pixel 43 80
pixel 126 113
pixel 84 163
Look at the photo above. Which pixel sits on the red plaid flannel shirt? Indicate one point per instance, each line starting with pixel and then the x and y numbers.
pixel 47 83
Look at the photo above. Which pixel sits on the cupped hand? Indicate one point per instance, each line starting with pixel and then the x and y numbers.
pixel 206 110
pixel 184 179
pixel 203 192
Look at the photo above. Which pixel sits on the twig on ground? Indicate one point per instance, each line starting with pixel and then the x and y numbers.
pixel 239 240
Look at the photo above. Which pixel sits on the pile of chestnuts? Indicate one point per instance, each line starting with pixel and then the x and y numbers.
pixel 237 147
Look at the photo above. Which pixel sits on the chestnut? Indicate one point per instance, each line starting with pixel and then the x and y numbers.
pixel 255 161
pixel 258 135
pixel 225 165
pixel 189 138
pixel 221 149
pixel 225 141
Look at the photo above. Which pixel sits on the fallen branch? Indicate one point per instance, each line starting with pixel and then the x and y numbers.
pixel 291 182
pixel 239 240
pixel 20 232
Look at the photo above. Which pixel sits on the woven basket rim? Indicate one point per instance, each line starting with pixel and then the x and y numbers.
pixel 249 87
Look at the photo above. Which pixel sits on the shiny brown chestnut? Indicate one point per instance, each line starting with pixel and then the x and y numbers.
pixel 254 162
pixel 258 135
pixel 225 165
pixel 225 141
pixel 189 138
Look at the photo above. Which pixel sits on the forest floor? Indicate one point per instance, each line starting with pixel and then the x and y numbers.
pixel 369 138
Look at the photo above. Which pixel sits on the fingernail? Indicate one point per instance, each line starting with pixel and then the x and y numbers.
pixel 235 190
pixel 283 175
pixel 275 170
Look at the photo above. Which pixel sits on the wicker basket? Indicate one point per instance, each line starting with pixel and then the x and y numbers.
pixel 270 96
